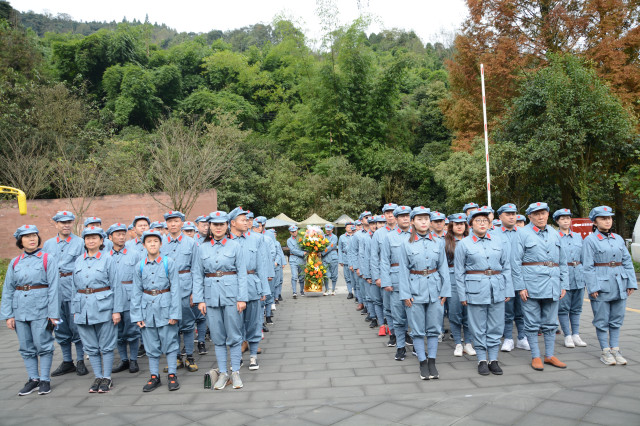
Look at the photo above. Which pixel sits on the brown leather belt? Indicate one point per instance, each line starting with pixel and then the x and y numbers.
pixel 549 264
pixel 424 272
pixel 156 292
pixel 575 263
pixel 219 274
pixel 394 264
pixel 65 274
pixel 93 290
pixel 126 282
pixel 611 264
pixel 30 287
pixel 485 272
pixel 184 271
pixel 251 271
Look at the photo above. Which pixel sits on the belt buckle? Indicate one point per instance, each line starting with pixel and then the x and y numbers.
pixel 488 272
pixel 612 264
pixel 425 272
pixel 154 292
pixel 218 274
pixel 548 263
pixel 26 287
pixel 88 290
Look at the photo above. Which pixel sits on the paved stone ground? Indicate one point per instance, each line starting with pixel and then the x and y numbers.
pixel 322 365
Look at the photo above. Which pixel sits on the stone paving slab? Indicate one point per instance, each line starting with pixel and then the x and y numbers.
pixel 323 365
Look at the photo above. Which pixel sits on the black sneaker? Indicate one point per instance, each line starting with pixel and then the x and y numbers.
pixel 29 387
pixel 392 341
pixel 173 382
pixel 207 335
pixel 302 293
pixel 124 365
pixel 373 323
pixel 96 385
pixel 494 367
pixel 424 369
pixel 264 328
pixel 153 383
pixel 105 385
pixel 350 296
pixel 44 388
pixel 269 321
pixel 276 301
pixel 433 371
pixel 368 318
pixel 414 353
pixel 253 363
pixel 483 368
pixel 133 366
pixel 183 351
pixel 64 368
pixel 280 298
pixel 81 369
pixel 141 351
pixel 400 354
pixel 408 339
pixel 202 348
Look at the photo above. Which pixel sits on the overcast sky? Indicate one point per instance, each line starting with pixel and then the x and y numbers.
pixel 432 20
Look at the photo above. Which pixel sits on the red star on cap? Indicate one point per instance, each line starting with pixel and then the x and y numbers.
pixel 402 207
pixel 460 217
pixel 537 204
pixel 92 227
pixel 605 209
pixel 26 226
pixel 64 213
pixel 217 213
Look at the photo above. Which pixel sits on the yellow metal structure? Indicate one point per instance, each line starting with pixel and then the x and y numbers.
pixel 22 198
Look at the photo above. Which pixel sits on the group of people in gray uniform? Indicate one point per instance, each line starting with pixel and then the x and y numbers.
pixel 408 268
pixel 138 290
pixel 141 291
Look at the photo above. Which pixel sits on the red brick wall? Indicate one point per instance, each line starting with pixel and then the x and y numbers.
pixel 110 208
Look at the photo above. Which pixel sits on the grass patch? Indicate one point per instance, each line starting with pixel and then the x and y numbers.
pixel 4 264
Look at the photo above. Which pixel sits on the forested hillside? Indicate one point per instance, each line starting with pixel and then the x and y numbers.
pixel 368 118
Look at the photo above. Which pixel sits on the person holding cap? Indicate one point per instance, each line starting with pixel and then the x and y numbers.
pixel 508 213
pixel 66 248
pixel 296 261
pixel 140 225
pixel 182 250
pixel 424 287
pixel 30 307
pixel 570 307
pixel 343 256
pixel 128 332
pixel 483 279
pixel 330 259
pixel 220 290
pixel 96 305
pixel 611 279
pixel 389 264
pixel 156 308
pixel 539 272
pixel 458 319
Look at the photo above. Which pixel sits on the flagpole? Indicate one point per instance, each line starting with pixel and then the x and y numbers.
pixel 486 136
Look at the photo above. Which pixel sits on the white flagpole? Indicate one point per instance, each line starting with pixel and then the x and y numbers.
pixel 486 136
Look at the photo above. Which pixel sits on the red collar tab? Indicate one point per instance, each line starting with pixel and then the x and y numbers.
pixel 515 228
pixel 504 229
pixel 417 238
pixel 536 229
pixel 67 240
pixel 224 241
pixel 488 235
pixel 98 255
pixel 562 234
pixel 600 237
pixel 388 229
pixel 475 239
pixel 111 252
pixel 232 236
pixel 399 231
pixel 248 232
pixel 39 254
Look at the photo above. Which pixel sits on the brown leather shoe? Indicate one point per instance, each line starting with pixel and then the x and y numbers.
pixel 555 362
pixel 360 307
pixel 536 364
pixel 245 346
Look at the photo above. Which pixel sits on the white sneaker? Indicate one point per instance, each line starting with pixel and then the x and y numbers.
pixel 607 357
pixel 333 293
pixel 273 306
pixel 326 293
pixel 568 342
pixel 468 349
pixel 618 356
pixel 507 345
pixel 457 351
pixel 578 341
pixel 523 344
pixel 440 337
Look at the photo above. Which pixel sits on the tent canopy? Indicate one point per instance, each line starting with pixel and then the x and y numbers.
pixel 342 220
pixel 314 219
pixel 274 222
pixel 286 218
